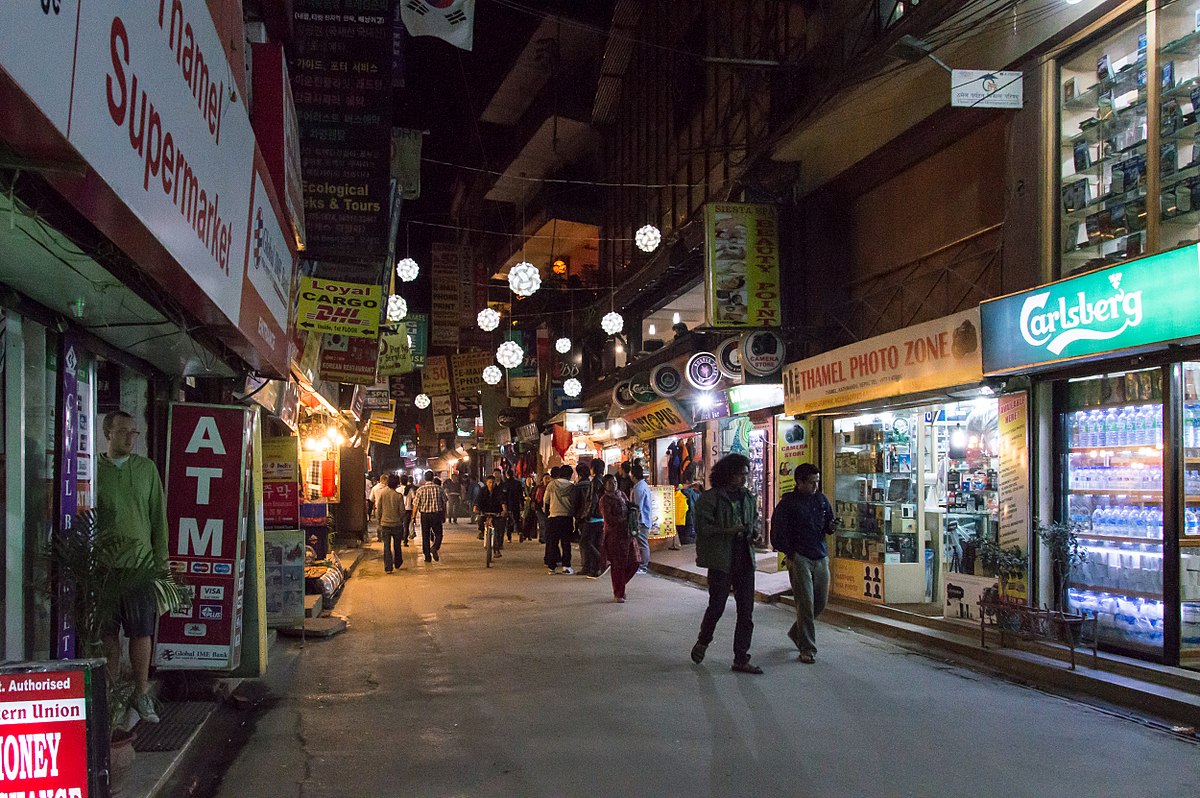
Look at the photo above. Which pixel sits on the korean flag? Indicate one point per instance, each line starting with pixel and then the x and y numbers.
pixel 452 20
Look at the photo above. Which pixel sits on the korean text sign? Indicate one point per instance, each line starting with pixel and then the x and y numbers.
pixel 206 491
pixel 43 734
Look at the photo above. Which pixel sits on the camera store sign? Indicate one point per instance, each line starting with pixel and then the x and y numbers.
pixel 937 354
pixel 1136 304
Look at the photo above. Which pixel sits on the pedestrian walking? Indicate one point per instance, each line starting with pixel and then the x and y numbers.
pixel 726 517
pixel 560 519
pixel 589 548
pixel 390 517
pixel 514 498
pixel 799 525
pixel 529 520
pixel 639 496
pixel 625 478
pixel 376 489
pixel 453 495
pixel 619 545
pixel 539 506
pixel 408 492
pixel 592 540
pixel 430 502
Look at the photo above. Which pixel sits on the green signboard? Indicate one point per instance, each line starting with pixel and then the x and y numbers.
pixel 1128 306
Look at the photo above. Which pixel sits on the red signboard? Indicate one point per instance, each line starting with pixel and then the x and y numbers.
pixel 43 734
pixel 206 517
pixel 281 504
pixel 350 360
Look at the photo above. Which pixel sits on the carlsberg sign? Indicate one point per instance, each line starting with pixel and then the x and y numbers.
pixel 1138 304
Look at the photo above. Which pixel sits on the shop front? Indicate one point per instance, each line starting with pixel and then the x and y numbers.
pixel 924 465
pixel 1115 354
pixel 658 426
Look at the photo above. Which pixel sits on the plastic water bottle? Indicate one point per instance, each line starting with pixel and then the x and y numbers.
pixel 1124 423
pixel 1138 522
pixel 1110 427
pixel 1156 418
pixel 1076 430
pixel 1192 523
pixel 1141 431
pixel 1156 523
pixel 1100 521
pixel 1189 437
pixel 1095 428
pixel 1194 427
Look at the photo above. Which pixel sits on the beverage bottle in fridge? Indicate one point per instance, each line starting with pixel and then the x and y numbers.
pixel 1076 429
pixel 1124 423
pixel 1138 522
pixel 1141 432
pixel 1191 523
pixel 1156 523
pixel 1194 427
pixel 1157 420
pixel 1095 428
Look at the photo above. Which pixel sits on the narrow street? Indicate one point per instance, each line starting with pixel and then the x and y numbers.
pixel 456 680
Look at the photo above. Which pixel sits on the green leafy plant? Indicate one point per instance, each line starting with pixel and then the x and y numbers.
pixel 1061 539
pixel 1007 564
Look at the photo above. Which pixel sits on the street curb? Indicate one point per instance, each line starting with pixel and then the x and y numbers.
pixel 701 580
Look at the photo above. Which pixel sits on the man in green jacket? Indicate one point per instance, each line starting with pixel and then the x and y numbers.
pixel 130 502
pixel 726 517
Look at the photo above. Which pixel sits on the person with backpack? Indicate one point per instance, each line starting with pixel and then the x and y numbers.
pixel 620 541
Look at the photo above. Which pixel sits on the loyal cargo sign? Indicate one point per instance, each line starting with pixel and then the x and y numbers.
pixel 741 275
pixel 663 417
pixel 1138 304
pixel 43 734
pixel 207 448
pixel 328 306
pixel 937 354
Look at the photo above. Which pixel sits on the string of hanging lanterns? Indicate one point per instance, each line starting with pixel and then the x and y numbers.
pixel 422 401
pixel 524 279
pixel 647 238
pixel 510 354
pixel 612 323
pixel 572 387
pixel 562 345
pixel 492 375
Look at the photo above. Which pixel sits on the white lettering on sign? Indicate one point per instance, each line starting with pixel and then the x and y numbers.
pixel 207 544
pixel 204 478
pixel 206 436
pixel 1064 324
pixel 29 756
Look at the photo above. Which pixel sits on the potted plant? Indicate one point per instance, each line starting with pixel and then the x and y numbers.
pixel 1009 564
pixel 1061 539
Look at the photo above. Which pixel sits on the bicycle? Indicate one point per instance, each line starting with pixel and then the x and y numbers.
pixel 489 534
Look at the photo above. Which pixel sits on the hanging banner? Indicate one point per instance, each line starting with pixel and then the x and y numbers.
pixel 283 560
pixel 207 449
pixel 446 312
pixel 329 306
pixel 386 415
pixel 380 433
pixel 450 20
pixel 379 397
pixel 467 368
pixel 1013 495
pixel 663 417
pixel 349 360
pixel 792 447
pixel 443 414
pixel 941 353
pixel 741 275
pixel 281 481
pixel 522 390
pixel 418 337
pixel 395 355
pixel 435 377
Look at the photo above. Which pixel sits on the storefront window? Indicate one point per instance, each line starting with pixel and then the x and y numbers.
pixel 740 435
pixel 1179 60
pixel 1103 139
pixel 678 459
pixel 1189 539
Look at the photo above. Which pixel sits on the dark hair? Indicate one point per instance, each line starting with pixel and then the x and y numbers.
pixel 637 473
pixel 582 470
pixel 806 470
pixel 428 475
pixel 626 465
pixel 597 467
pixel 437 481
pixel 564 471
pixel 393 481
pixel 509 473
pixel 609 478
pixel 723 470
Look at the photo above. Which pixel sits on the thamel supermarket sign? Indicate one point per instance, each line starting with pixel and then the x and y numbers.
pixel 1132 305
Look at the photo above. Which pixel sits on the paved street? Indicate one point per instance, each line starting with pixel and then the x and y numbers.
pixel 455 680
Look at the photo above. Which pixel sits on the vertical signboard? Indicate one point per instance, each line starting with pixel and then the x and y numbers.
pixel 395 355
pixel 44 739
pixel 1013 498
pixel 281 482
pixel 443 414
pixel 445 269
pixel 792 447
pixel 275 127
pixel 283 558
pixel 67 477
pixel 741 260
pixel 435 377
pixel 418 337
pixel 207 447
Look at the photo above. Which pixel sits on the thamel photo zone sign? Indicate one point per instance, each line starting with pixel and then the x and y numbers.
pixel 329 306
pixel 207 449
pixel 741 260
pixel 1134 305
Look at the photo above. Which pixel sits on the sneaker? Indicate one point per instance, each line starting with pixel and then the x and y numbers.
pixel 607 568
pixel 643 570
pixel 567 570
pixel 551 571
pixel 143 704
pixel 698 652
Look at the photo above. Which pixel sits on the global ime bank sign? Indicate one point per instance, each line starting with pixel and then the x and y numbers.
pixel 1133 305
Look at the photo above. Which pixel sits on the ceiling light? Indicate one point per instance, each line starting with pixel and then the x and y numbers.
pixel 652 330
pixel 488 319
pixel 675 317
pixel 524 279
pixel 407 269
pixel 562 345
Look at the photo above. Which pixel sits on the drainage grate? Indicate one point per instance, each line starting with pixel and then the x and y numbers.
pixel 177 723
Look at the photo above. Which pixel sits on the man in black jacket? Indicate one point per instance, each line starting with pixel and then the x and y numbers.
pixel 799 525
pixel 514 502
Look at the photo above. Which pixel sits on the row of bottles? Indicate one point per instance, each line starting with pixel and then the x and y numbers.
pixel 1135 476
pixel 1122 566
pixel 1119 426
pixel 1128 620
pixel 1191 426
pixel 1129 522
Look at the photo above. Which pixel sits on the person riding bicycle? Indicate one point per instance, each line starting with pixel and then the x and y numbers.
pixel 490 502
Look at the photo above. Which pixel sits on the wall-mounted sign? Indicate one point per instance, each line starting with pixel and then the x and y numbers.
pixel 702 371
pixel 662 417
pixel 45 733
pixel 640 389
pixel 792 447
pixel 622 395
pixel 435 377
pixel 329 306
pixel 577 422
pixel 1139 304
pixel 761 352
pixel 745 398
pixel 666 379
pixel 741 275
pixel 941 353
pixel 729 360
pixel 979 88
pixel 350 360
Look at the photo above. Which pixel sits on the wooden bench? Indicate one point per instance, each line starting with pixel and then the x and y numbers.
pixel 1033 623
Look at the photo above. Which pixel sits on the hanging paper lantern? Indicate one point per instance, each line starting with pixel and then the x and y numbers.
pixel 407 269
pixel 524 279
pixel 647 238
pixel 397 308
pixel 422 401
pixel 509 354
pixel 563 345
pixel 572 387
pixel 488 319
pixel 492 375
pixel 612 323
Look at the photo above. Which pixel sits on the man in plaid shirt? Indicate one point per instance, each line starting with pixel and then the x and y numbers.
pixel 430 502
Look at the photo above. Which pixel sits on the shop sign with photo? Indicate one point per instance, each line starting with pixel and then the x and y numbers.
pixel 559 401
pixel 963 593
pixel 761 353
pixel 1140 304
pixel 741 265
pixel 666 379
pixel 662 417
pixel 747 398
pixel 395 354
pixel 435 377
pixel 49 730
pixel 328 306
pixel 379 397
pixel 446 273
pixel 862 581
pixel 792 447
pixel 703 374
pixel 443 414
pixel 729 359
pixel 349 360
pixel 467 368
pixel 283 561
pixel 937 354
pixel 207 451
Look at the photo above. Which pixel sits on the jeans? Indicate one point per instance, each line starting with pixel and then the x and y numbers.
pixel 810 587
pixel 392 535
pixel 741 580
pixel 643 539
pixel 558 541
pixel 431 533
pixel 499 527
pixel 591 536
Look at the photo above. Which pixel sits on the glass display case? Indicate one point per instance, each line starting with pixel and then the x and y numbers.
pixel 1189 535
pixel 1179 64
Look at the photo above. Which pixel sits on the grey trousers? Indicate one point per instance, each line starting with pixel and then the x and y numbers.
pixel 810 586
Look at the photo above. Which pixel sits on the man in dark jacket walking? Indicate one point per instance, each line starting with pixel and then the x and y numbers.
pixel 514 502
pixel 799 525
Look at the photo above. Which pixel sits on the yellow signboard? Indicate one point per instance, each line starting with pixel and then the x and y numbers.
pixel 467 368
pixel 380 433
pixel 792 447
pixel 741 275
pixel 281 459
pixel 658 418
pixel 329 306
pixel 395 355
pixel 435 377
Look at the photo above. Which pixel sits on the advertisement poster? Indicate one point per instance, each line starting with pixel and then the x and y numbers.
pixel 395 355
pixel 661 417
pixel 380 433
pixel 963 592
pixel 858 580
pixel 349 360
pixel 435 377
pixel 283 556
pixel 467 368
pixel 792 447
pixel 207 447
pixel 741 259
pixel 446 311
pixel 418 337
pixel 443 414
pixel 662 510
pixel 44 733
pixel 1013 498
pixel 379 397
pixel 328 306
pixel 937 354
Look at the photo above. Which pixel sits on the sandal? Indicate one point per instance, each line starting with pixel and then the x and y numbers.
pixel 745 667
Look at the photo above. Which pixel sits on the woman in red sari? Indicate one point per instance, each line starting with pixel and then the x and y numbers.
pixel 622 550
